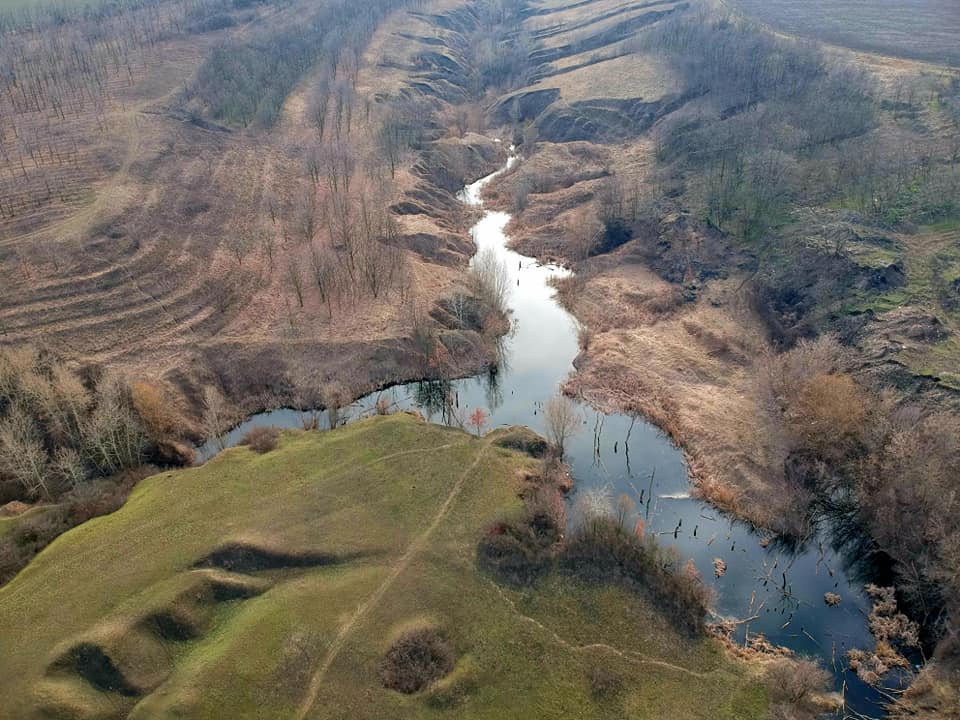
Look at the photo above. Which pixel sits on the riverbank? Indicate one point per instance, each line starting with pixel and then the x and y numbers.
pixel 692 369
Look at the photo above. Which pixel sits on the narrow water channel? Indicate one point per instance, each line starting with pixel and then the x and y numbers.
pixel 781 588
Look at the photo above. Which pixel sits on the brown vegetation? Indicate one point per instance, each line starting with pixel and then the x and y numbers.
pixel 749 209
pixel 795 687
pixel 415 660
pixel 262 439
pixel 189 249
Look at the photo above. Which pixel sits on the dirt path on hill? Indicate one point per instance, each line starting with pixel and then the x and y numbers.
pixel 371 602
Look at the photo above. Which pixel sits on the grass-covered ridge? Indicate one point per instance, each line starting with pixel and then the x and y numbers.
pixel 273 585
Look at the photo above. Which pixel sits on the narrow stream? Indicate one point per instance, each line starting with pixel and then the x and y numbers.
pixel 782 588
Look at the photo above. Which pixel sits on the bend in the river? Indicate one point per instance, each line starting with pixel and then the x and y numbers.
pixel 783 589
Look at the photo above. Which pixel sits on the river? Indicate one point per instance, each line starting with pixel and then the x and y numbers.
pixel 781 587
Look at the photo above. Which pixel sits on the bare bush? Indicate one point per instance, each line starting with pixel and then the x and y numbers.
pixel 828 415
pixel 156 412
pixel 785 375
pixel 792 681
pixel 415 660
pixel 262 439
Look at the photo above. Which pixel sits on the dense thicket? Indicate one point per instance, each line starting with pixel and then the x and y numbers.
pixel 767 105
pixel 57 431
pixel 887 470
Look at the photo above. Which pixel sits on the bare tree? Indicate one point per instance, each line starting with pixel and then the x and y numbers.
pixel 216 419
pixel 22 455
pixel 489 280
pixel 113 436
pixel 295 277
pixel 305 216
pixel 562 421
pixel 269 245
pixel 240 244
pixel 323 263
pixel 319 105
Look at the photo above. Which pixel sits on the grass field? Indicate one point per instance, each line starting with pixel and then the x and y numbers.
pixel 17 5
pixel 920 29
pixel 362 533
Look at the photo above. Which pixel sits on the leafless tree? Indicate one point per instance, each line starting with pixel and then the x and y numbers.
pixel 562 421
pixel 490 280
pixel 240 244
pixel 113 436
pixel 319 104
pixel 305 216
pixel 295 278
pixel 22 455
pixel 323 263
pixel 216 418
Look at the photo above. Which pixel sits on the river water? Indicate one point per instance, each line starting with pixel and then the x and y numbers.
pixel 781 587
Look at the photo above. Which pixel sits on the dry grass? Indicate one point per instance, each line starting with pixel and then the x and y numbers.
pixel 925 29
pixel 627 76
pixel 707 401
pixel 135 269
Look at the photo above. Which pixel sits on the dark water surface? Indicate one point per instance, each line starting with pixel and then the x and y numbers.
pixel 615 454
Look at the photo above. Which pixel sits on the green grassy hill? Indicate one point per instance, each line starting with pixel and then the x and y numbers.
pixel 271 586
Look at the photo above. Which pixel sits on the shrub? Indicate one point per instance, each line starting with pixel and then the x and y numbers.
pixel 523 440
pixel 262 439
pixel 828 415
pixel 417 659
pixel 602 549
pixel 522 549
pixel 791 680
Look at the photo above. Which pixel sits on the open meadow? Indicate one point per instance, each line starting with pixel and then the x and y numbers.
pixel 327 550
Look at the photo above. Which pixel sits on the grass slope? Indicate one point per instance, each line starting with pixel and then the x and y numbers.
pixel 362 533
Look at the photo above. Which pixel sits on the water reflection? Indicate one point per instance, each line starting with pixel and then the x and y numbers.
pixel 776 587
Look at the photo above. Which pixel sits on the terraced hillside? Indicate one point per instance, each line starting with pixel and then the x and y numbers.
pixel 140 230
pixel 273 585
